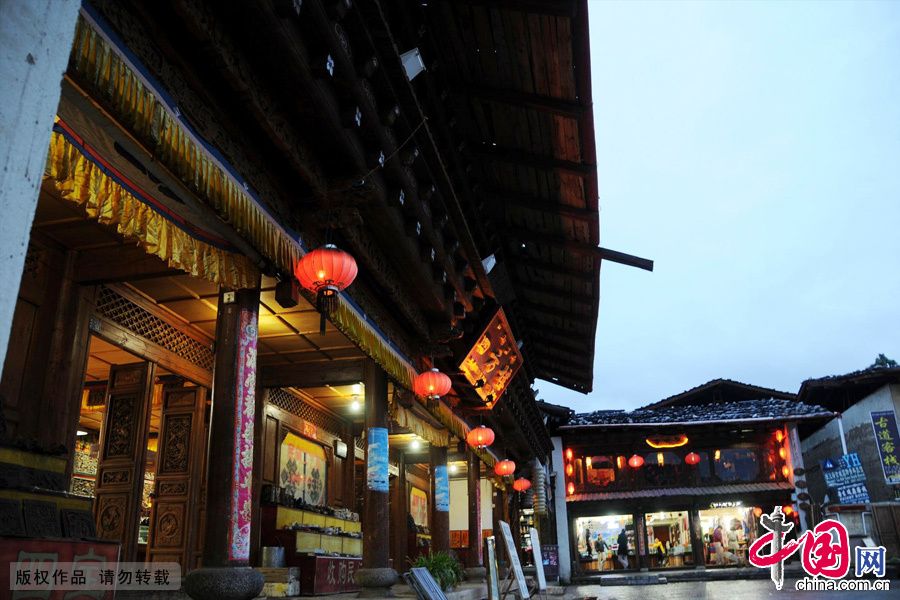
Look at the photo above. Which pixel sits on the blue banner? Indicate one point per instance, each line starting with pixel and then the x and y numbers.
pixel 842 470
pixel 888 441
pixel 377 459
pixel 441 489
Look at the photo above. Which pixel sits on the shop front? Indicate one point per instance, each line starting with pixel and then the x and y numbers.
pixel 687 490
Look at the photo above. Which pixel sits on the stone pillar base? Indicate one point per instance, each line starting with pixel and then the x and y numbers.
pixel 224 583
pixel 376 583
pixel 478 574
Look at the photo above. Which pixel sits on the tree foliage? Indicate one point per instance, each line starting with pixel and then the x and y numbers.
pixel 883 362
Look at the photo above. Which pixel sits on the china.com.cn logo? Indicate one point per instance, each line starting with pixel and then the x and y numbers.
pixel 825 550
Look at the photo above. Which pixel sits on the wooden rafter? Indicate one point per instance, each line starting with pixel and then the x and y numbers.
pixel 515 199
pixel 547 104
pixel 537 161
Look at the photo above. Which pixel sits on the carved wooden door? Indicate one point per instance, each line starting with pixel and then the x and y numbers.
pixel 123 455
pixel 174 515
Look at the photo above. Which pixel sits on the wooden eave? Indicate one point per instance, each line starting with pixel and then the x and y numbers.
pixel 516 78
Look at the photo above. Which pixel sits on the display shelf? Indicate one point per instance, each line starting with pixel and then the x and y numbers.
pixel 285 516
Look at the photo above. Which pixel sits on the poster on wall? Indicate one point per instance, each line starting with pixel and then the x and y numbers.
pixel 303 469
pixel 887 439
pixel 441 489
pixel 418 506
pixel 377 460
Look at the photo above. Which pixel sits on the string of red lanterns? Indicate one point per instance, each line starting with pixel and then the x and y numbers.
pixel 692 459
pixel 432 384
pixel 504 468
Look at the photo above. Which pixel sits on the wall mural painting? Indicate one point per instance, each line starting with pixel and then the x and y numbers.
pixel 244 407
pixel 303 470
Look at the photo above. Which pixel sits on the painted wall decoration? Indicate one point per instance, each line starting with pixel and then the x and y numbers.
pixel 303 470
pixel 888 439
pixel 441 489
pixel 244 407
pixel 493 361
pixel 377 460
pixel 418 506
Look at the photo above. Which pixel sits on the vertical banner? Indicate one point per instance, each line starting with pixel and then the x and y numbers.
pixel 441 489
pixel 887 439
pixel 244 413
pixel 377 459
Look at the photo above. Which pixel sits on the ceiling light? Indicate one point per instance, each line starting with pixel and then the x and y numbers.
pixel 357 388
pixel 80 432
pixel 415 445
pixel 453 468
pixel 354 406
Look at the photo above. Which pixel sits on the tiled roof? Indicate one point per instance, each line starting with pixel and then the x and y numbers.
pixel 769 409
pixel 714 490
pixel 727 389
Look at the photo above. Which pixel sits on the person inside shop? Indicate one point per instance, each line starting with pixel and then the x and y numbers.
pixel 661 556
pixel 601 548
pixel 587 541
pixel 720 540
pixel 622 550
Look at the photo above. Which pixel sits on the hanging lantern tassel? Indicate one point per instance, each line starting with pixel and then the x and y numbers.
pixel 326 271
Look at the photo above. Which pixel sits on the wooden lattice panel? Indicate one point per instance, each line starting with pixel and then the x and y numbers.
pixel 294 405
pixel 126 313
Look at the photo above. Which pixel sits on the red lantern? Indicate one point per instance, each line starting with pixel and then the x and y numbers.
pixel 571 488
pixel 568 454
pixel 692 459
pixel 782 453
pixel 757 511
pixel 569 469
pixel 786 472
pixel 326 271
pixel 520 485
pixel 504 468
pixel 432 384
pixel 788 510
pixel 779 435
pixel 635 461
pixel 480 437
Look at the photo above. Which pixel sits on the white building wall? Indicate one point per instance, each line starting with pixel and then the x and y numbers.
pixel 35 43
pixel 459 504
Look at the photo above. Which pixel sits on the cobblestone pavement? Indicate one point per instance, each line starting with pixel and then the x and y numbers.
pixel 718 590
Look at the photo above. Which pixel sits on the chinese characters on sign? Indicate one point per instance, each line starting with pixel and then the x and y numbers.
pixel 846 479
pixel 38 575
pixel 888 441
pixel 494 360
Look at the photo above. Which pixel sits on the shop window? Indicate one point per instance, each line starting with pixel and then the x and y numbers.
pixel 737 465
pixel 304 470
pixel 703 467
pixel 597 540
pixel 662 469
pixel 600 470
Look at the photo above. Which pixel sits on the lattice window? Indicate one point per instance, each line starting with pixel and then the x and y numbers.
pixel 294 405
pixel 126 313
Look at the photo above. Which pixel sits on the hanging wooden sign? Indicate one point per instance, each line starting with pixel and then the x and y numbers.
pixel 493 361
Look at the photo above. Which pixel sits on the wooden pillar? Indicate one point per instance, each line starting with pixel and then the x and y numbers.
pixel 640 540
pixel 349 471
pixel 697 550
pixel 226 549
pixel 400 526
pixel 376 577
pixel 440 500
pixel 474 482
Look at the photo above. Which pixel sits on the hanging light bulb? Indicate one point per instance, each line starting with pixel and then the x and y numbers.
pixel 718 454
pixel 480 437
pixel 326 271
pixel 786 472
pixel 432 384
pixel 354 406
pixel 415 444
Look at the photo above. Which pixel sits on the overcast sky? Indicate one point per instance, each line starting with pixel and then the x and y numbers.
pixel 752 150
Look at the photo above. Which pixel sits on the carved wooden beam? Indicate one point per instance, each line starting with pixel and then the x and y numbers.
pixel 581 248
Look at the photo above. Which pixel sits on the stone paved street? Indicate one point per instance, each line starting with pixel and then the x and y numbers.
pixel 716 590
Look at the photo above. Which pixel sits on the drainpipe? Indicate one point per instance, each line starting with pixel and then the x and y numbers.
pixel 840 421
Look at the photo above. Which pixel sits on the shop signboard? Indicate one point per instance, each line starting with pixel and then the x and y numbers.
pixel 377 478
pixel 493 361
pixel 842 470
pixel 888 440
pixel 550 558
pixel 855 493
